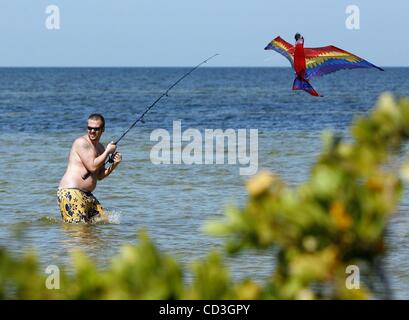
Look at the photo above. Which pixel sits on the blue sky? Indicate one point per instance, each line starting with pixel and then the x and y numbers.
pixel 183 32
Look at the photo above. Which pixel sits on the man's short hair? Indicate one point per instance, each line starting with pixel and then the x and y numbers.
pixel 97 116
pixel 297 36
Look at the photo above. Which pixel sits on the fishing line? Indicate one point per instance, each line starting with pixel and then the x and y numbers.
pixel 140 118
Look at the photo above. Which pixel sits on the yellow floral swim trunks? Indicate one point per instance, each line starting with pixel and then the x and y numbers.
pixel 79 206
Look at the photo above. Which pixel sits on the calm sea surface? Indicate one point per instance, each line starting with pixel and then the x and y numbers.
pixel 42 110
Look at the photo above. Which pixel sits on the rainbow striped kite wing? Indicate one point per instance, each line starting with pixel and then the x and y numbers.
pixel 282 47
pixel 324 60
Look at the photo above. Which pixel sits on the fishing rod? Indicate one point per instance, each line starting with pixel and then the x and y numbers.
pixel 140 118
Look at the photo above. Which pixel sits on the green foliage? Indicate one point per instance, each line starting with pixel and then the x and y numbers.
pixel 335 219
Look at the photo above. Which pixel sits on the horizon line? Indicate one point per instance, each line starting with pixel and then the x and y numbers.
pixel 187 66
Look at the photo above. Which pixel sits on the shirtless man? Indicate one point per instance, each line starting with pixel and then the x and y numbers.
pixel 86 166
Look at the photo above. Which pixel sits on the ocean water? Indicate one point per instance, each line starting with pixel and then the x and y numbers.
pixel 42 110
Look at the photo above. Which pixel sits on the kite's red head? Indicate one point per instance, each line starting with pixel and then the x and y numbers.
pixel 298 36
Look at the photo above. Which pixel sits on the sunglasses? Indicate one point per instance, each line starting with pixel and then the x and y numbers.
pixel 94 128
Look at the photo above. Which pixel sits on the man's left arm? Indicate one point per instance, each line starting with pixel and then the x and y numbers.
pixel 105 172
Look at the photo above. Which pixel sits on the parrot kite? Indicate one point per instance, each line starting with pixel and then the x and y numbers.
pixel 315 62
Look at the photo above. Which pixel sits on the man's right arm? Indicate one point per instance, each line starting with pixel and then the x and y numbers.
pixel 87 155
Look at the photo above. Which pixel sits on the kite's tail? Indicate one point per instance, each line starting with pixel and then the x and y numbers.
pixel 302 84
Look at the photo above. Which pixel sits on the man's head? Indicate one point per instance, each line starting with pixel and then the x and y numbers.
pixel 298 36
pixel 95 126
